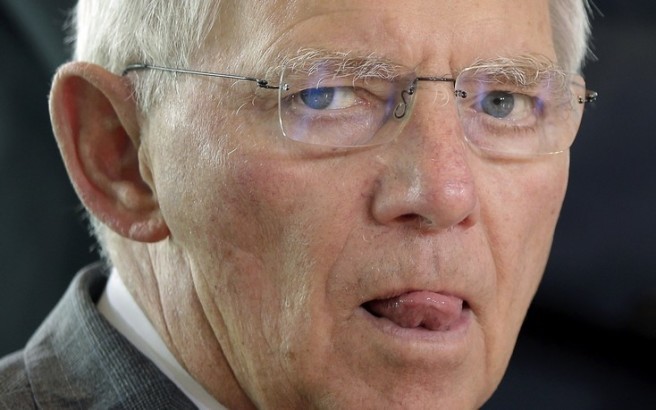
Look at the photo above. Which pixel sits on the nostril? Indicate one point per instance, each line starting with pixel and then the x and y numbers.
pixel 408 217
pixel 472 217
pixel 416 220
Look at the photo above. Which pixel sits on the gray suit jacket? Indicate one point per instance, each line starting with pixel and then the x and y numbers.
pixel 77 360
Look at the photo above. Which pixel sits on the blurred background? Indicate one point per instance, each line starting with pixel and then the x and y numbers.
pixel 589 341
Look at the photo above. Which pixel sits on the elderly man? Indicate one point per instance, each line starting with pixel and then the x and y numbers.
pixel 306 204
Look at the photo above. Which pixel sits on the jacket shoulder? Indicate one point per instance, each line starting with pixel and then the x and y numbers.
pixel 15 390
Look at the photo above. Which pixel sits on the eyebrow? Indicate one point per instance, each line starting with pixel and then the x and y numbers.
pixel 524 70
pixel 342 63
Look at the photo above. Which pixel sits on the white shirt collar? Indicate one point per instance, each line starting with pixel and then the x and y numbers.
pixel 121 310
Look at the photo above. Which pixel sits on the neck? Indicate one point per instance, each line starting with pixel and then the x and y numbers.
pixel 162 283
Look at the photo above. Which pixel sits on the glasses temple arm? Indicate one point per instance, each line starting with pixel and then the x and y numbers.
pixel 260 83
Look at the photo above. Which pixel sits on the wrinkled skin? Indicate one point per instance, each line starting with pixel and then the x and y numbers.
pixel 273 248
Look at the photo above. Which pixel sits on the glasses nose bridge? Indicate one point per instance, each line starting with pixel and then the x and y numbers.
pixel 430 111
pixel 434 79
pixel 442 95
pixel 439 80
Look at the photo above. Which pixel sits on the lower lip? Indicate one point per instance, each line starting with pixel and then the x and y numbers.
pixel 453 337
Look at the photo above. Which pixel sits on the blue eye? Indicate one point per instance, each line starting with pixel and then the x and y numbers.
pixel 318 98
pixel 329 98
pixel 499 104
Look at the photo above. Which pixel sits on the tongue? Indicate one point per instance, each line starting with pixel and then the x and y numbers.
pixel 430 310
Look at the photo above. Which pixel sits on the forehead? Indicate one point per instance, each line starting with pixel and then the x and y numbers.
pixel 428 34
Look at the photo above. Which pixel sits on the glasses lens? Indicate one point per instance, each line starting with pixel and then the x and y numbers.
pixel 519 113
pixel 326 106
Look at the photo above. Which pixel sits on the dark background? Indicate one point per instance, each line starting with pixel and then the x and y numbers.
pixel 589 341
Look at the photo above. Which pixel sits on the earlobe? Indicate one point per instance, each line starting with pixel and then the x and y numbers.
pixel 96 125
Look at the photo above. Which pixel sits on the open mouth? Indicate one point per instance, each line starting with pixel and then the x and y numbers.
pixel 420 310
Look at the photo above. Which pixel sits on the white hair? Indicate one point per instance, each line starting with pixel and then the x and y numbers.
pixel 570 25
pixel 116 33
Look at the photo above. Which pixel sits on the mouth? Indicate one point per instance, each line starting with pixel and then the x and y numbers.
pixel 417 312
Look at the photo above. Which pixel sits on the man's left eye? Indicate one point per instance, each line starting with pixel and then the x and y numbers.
pixel 506 105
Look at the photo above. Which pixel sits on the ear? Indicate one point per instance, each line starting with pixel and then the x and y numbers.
pixel 95 121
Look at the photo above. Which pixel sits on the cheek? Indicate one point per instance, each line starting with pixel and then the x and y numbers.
pixel 233 208
pixel 520 218
pixel 543 191
pixel 520 207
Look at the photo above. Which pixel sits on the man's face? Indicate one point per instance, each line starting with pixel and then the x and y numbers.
pixel 394 276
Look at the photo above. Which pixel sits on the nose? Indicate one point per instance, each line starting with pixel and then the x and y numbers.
pixel 427 182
